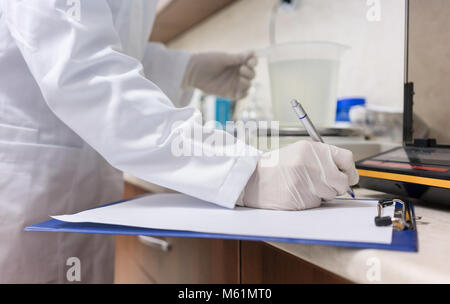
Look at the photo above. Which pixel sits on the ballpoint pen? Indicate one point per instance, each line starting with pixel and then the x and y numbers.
pixel 301 113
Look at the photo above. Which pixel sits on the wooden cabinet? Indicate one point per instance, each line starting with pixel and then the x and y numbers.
pixel 127 269
pixel 187 260
pixel 262 263
pixel 192 261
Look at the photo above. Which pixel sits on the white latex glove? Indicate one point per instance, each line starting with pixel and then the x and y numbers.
pixel 307 174
pixel 221 74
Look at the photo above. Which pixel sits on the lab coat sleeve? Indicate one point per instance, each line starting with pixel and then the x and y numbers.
pixel 75 56
pixel 166 68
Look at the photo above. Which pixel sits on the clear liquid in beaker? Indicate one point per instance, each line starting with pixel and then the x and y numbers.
pixel 311 81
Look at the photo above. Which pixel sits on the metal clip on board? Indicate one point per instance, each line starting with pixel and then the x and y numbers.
pixel 402 219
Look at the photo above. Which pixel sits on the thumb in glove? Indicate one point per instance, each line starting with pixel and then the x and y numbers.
pixel 222 74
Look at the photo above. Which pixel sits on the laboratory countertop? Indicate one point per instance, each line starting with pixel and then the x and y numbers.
pixel 429 265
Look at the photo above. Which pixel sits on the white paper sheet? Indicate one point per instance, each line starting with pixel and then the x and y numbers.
pixel 340 220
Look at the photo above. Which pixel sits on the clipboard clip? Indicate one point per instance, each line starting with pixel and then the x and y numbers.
pixel 402 219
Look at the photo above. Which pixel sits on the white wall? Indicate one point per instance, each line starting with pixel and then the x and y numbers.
pixel 373 68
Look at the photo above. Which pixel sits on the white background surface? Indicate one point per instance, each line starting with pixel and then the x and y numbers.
pixel 340 220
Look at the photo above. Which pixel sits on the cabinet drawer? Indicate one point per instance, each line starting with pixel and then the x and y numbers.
pixel 265 264
pixel 127 271
pixel 191 261
pixel 188 261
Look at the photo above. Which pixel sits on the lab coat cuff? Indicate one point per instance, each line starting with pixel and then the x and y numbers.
pixel 237 179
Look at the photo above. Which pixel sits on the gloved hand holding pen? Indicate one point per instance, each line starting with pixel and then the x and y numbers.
pixel 222 74
pixel 307 174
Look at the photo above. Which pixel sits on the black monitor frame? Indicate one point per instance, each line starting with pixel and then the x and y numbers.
pixel 408 92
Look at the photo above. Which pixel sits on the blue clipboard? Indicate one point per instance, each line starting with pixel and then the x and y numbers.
pixel 401 240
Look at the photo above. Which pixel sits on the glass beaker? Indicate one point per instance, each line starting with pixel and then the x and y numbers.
pixel 307 71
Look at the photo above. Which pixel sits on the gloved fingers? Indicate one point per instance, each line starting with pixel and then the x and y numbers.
pixel 339 183
pixel 329 181
pixel 232 59
pixel 247 72
pixel 246 58
pixel 307 197
pixel 336 179
pixel 290 183
pixel 314 168
pixel 247 68
pixel 344 161
pixel 324 189
pixel 252 61
pixel 297 190
pixel 243 87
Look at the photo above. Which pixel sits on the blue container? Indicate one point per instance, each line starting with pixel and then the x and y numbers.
pixel 223 111
pixel 344 105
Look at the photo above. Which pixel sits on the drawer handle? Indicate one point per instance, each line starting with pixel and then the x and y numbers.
pixel 154 242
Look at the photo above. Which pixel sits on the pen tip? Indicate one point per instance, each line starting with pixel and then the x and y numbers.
pixel 351 193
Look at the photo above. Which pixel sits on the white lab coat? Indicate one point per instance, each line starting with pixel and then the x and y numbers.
pixel 75 108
